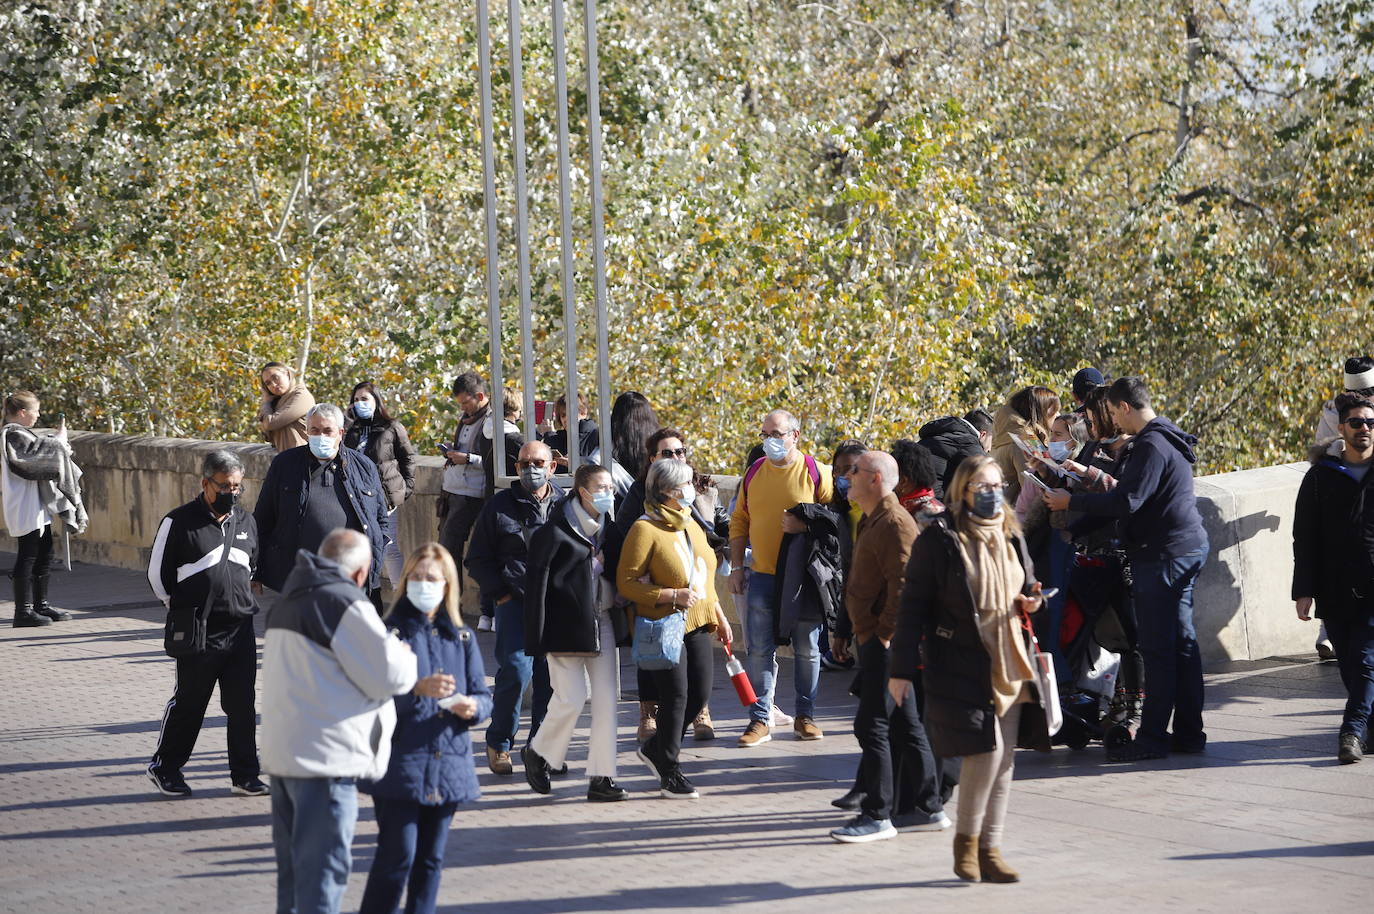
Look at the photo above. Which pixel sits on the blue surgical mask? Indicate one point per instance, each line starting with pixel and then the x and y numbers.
pixel 987 504
pixel 324 446
pixel 604 503
pixel 842 486
pixel 364 409
pixel 533 478
pixel 774 449
pixel 1059 451
pixel 425 595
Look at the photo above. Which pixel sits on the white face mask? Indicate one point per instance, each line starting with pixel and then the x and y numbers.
pixel 687 495
pixel 775 448
pixel 425 595
pixel 1059 450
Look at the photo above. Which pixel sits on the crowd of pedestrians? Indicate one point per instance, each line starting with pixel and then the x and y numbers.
pixel 977 578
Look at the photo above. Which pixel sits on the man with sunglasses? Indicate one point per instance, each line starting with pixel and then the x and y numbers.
pixel 1333 562
pixel 201 568
pixel 783 478
pixel 496 559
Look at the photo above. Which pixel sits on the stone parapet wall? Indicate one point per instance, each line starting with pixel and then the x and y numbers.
pixel 1243 608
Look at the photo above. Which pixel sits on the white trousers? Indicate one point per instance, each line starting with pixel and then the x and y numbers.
pixel 573 679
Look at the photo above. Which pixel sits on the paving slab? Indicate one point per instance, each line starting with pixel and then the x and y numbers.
pixel 1264 821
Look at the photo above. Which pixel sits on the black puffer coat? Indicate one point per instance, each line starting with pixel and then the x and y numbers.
pixel 938 630
pixel 389 447
pixel 949 441
pixel 1333 558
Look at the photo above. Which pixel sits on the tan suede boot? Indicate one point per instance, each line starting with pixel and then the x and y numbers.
pixel 703 728
pixel 966 857
pixel 647 725
pixel 993 868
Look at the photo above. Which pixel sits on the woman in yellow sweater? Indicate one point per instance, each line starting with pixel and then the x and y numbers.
pixel 667 566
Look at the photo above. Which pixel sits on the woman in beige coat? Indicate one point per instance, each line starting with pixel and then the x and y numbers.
pixel 285 401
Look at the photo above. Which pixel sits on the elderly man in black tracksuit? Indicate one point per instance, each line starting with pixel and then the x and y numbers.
pixel 496 559
pixel 202 562
pixel 1333 562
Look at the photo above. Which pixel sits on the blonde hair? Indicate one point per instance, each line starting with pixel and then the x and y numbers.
pixel 20 399
pixel 958 486
pixel 436 553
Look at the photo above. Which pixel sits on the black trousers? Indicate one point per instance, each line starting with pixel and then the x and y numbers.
pixel 35 554
pixel 455 529
pixel 682 692
pixel 235 671
pixel 894 743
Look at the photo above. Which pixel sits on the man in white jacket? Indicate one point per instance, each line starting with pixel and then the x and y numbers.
pixel 329 671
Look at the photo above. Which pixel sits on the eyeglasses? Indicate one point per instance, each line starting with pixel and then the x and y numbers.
pixel 987 486
pixel 668 452
pixel 541 462
pixel 1360 422
pixel 228 488
pixel 774 434
pixel 849 470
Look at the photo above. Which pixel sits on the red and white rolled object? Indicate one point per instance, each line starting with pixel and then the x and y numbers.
pixel 740 678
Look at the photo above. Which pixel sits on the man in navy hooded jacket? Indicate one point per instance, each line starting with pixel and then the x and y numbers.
pixel 1159 525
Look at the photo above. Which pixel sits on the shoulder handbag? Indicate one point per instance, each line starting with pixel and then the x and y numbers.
pixel 185 631
pixel 658 642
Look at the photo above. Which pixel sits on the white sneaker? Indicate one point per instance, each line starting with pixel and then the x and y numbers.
pixel 486 624
pixel 780 720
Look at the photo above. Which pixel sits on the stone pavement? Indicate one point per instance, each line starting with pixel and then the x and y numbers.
pixel 1265 821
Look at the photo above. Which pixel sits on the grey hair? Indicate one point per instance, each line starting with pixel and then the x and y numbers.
pixel 326 411
pixel 347 547
pixel 664 477
pixel 219 461
pixel 793 425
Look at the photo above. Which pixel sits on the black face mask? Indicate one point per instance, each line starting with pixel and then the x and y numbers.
pixel 224 503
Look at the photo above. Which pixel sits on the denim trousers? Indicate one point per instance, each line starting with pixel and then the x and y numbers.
pixel 410 856
pixel 312 831
pixel 1163 594
pixel 763 652
pixel 1352 637
pixel 515 670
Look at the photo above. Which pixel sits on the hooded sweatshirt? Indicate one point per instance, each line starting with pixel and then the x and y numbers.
pixel 1153 499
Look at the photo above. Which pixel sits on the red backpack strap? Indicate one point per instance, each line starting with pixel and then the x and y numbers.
pixel 748 475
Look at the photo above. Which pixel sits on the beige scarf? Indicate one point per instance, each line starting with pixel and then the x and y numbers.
pixel 995 576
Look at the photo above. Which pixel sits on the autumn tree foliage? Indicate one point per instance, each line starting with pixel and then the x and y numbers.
pixel 871 211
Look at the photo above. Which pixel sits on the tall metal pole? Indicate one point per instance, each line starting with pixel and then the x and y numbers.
pixel 603 361
pixel 498 391
pixel 522 243
pixel 560 80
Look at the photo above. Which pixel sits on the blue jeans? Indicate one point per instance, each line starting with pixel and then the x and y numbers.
pixel 410 851
pixel 312 830
pixel 1353 639
pixel 763 652
pixel 514 671
pixel 1061 560
pixel 1163 593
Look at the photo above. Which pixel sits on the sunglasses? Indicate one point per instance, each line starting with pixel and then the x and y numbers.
pixel 531 463
pixel 671 452
pixel 1360 422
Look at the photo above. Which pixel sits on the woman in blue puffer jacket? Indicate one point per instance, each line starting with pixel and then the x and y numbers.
pixel 431 768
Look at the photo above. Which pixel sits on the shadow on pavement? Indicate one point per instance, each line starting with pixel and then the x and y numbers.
pixel 1348 849
pixel 700 895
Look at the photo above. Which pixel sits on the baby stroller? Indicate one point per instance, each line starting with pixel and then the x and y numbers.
pixel 1106 689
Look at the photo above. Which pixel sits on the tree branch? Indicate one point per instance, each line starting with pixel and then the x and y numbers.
pixel 1213 191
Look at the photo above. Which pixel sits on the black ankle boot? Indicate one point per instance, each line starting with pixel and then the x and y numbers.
pixel 41 604
pixel 24 616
